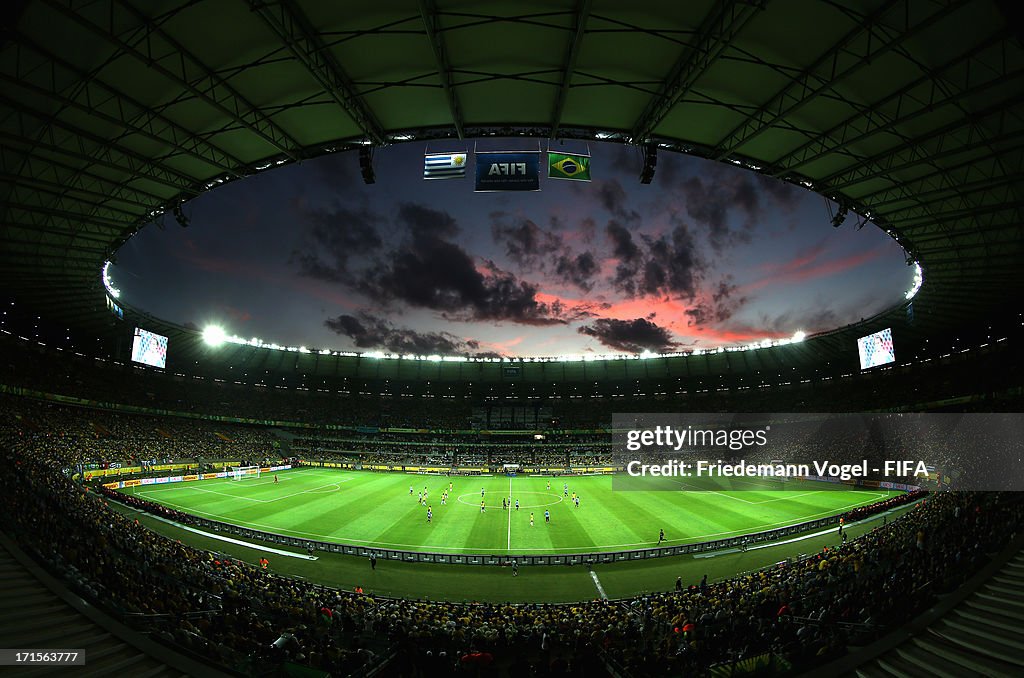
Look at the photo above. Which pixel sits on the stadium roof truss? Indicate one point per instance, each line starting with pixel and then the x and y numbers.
pixel 910 113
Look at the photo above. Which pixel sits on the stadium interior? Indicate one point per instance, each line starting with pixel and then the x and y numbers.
pixel 242 510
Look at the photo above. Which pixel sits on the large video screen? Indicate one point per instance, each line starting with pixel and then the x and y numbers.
pixel 876 349
pixel 149 348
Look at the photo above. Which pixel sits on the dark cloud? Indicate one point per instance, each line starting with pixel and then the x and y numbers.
pixel 629 258
pixel 587 229
pixel 719 308
pixel 725 299
pixel 623 247
pixel 370 332
pixel 699 315
pixel 535 249
pixel 429 271
pixel 669 265
pixel 334 236
pixel 424 222
pixel 578 270
pixel 526 243
pixel 613 198
pixel 674 266
pixel 806 319
pixel 632 336
pixel 710 199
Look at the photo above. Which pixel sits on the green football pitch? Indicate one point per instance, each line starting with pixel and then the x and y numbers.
pixel 377 510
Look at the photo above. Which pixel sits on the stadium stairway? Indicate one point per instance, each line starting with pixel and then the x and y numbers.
pixel 977 633
pixel 37 612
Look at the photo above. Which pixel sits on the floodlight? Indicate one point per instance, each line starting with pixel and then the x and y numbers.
pixel 214 335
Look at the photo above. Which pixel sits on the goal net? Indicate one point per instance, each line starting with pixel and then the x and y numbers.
pixel 243 472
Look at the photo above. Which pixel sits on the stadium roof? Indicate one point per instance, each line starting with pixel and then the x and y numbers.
pixel 907 112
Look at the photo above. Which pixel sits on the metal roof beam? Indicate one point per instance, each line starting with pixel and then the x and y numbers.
pixel 76 222
pixel 161 53
pixel 869 40
pixel 129 162
pixel 286 19
pixel 954 192
pixel 947 175
pixel 885 112
pixel 580 16
pixel 963 212
pixel 30 164
pixel 723 23
pixel 35 195
pixel 101 100
pixel 431 20
pixel 959 134
pixel 77 271
pixel 92 198
pixel 998 218
pixel 34 228
pixel 18 256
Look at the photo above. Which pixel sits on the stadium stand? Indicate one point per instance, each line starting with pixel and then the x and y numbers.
pixel 795 614
pixel 975 630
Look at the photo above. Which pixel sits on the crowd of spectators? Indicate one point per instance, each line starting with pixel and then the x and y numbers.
pixel 85 439
pixel 244 617
pixel 989 381
pixel 397 449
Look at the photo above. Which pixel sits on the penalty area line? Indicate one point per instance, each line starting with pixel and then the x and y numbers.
pixel 597 583
pixel 239 542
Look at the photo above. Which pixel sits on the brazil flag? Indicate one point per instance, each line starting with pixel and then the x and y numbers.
pixel 568 166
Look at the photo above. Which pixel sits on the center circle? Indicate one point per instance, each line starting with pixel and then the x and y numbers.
pixel 515 495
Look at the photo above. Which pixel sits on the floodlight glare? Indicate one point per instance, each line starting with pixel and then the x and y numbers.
pixel 214 335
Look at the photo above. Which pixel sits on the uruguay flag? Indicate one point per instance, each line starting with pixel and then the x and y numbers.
pixel 444 166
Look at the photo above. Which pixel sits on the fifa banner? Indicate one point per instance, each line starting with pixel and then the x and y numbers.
pixel 571 166
pixel 508 171
pixel 444 166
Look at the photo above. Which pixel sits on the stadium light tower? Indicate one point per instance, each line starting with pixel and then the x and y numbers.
pixel 214 335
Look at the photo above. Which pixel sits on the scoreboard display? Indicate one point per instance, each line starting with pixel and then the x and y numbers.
pixel 876 349
pixel 149 348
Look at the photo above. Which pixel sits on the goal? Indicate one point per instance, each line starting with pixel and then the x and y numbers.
pixel 243 472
